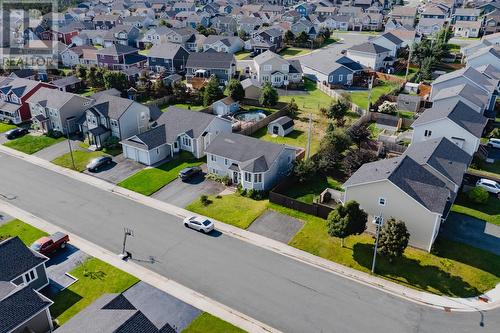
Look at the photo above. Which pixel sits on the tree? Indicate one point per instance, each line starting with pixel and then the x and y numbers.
pixel 269 96
pixel 289 37
pixel 359 134
pixel 346 220
pixel 495 133
pixel 212 91
pixel 206 31
pixel 114 79
pixel 242 34
pixel 356 158
pixel 180 92
pixel 478 195
pixel 235 90
pixel 426 68
pixel 393 239
pixel 332 148
pixel 81 72
pixel 293 108
pixel 388 107
pixel 303 170
pixel 338 111
pixel 302 38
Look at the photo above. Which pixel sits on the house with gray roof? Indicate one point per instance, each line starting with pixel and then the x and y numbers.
pixel 488 55
pixel 389 41
pixel 273 68
pixel 458 122
pixel 175 130
pixel 22 275
pixel 253 163
pixel 281 126
pixel 474 97
pixel 404 189
pixel 371 55
pixel 223 44
pixel 211 62
pixel 167 57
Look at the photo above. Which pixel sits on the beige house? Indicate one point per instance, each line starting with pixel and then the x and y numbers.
pixel 271 67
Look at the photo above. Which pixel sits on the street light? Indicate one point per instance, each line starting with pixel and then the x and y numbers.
pixel 378 221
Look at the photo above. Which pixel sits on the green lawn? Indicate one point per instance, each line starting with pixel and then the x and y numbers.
pixel 489 211
pixel 232 209
pixel 144 52
pixel 452 269
pixel 87 92
pixel 488 169
pixel 95 278
pixel 310 102
pixel 294 52
pixel 26 232
pixel 360 97
pixel 374 130
pixel 296 138
pixel 150 180
pixel 30 144
pixel 241 55
pixel 206 323
pixel 189 106
pixel 82 158
pixel 311 189
pixel 5 127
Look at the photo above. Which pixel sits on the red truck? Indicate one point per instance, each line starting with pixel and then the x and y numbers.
pixel 49 244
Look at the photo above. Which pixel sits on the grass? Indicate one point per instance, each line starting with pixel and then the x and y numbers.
pixel 27 233
pixel 30 144
pixel 294 52
pixel 87 92
pixel 296 138
pixel 488 169
pixel 206 323
pixel 95 278
pixel 411 73
pixel 374 130
pixel 241 55
pixel 189 106
pixel 5 127
pixel 452 269
pixel 82 158
pixel 150 180
pixel 360 97
pixel 311 189
pixel 112 150
pixel 144 52
pixel 232 209
pixel 489 211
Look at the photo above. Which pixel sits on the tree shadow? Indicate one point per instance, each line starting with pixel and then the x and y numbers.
pixel 413 273
pixel 295 134
pixel 94 275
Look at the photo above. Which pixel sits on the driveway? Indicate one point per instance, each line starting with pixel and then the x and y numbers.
pixel 57 150
pixel 471 231
pixel 161 308
pixel 181 193
pixel 277 226
pixel 120 169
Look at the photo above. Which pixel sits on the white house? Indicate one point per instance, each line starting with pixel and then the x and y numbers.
pixel 253 163
pixel 489 55
pixel 371 55
pixel 225 106
pixel 389 41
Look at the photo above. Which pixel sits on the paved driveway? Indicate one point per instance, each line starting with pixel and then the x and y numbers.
pixel 57 150
pixel 120 169
pixel 181 193
pixel 468 230
pixel 277 226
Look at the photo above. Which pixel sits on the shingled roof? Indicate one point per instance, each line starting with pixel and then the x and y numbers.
pixel 16 259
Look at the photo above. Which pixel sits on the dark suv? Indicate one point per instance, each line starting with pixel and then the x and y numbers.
pixel 15 133
pixel 189 172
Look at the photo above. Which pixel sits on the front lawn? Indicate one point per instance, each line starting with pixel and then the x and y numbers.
pixel 189 106
pixel 489 211
pixel 311 189
pixel 27 233
pixel 294 52
pixel 95 278
pixel 452 269
pixel 241 55
pixel 150 180
pixel 5 127
pixel 360 97
pixel 296 138
pixel 30 144
pixel 206 323
pixel 82 158
pixel 232 209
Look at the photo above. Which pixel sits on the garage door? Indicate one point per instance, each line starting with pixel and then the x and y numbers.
pixel 142 157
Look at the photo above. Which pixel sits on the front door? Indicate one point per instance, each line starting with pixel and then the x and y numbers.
pixel 235 177
pixel 275 130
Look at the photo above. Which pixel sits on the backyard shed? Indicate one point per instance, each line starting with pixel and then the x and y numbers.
pixel 281 126
pixel 225 106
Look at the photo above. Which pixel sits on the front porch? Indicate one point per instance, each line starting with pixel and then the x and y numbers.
pixel 97 136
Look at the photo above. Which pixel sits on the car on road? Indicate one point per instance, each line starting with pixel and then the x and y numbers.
pixel 489 185
pixel 189 172
pixel 98 162
pixel 16 133
pixel 199 223
pixel 50 244
pixel 494 143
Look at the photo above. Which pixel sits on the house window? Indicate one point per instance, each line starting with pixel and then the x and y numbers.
pixel 226 162
pixel 284 67
pixel 341 78
pixel 257 178
pixel 268 67
pixel 427 133
pixel 213 158
pixel 381 201
pixel 248 177
pixel 30 276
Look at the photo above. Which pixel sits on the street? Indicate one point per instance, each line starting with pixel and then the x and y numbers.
pixel 282 292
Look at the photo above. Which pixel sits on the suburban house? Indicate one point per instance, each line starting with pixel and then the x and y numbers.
pixel 281 126
pixel 389 41
pixel 304 25
pixel 457 122
pixel 467 29
pixel 120 56
pixel 271 67
pixel 492 23
pixel 113 116
pixel 489 55
pixel 154 36
pixel 430 26
pixel 472 96
pixel 205 64
pixel 371 55
pixel 225 24
pixel 106 21
pixel 339 71
pixel 168 57
pixel 175 130
pixel 72 56
pixel 253 163
pixel 225 106
pixel 402 188
pixel 67 83
pixel 22 275
pixel 14 93
pixel 406 15
pixel 55 110
pixel 121 34
pixel 223 44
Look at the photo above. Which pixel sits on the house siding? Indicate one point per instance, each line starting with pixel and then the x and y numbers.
pixel 40 324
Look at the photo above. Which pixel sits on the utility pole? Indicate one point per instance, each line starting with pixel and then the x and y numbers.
pixel 309 137
pixel 370 86
pixel 378 221
pixel 69 144
pixel 408 64
pixel 126 232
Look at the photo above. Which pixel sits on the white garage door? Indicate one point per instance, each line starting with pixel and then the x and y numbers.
pixel 142 157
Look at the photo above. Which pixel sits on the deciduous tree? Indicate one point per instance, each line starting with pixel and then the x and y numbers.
pixel 393 239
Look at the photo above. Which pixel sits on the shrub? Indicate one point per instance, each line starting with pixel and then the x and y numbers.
pixel 393 239
pixel 220 179
pixel 205 201
pixel 478 195
pixel 388 108
pixel 495 133
pixel 54 134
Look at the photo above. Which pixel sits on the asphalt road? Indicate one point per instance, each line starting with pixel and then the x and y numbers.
pixel 284 293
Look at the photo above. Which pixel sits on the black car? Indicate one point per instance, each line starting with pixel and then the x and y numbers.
pixel 189 172
pixel 98 162
pixel 15 133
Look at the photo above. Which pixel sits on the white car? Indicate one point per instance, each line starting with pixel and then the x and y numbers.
pixel 495 143
pixel 489 185
pixel 199 223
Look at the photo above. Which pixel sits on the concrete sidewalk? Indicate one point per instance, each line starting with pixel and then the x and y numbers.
pixel 487 301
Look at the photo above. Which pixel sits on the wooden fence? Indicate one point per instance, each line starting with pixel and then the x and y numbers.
pixel 250 128
pixel 158 101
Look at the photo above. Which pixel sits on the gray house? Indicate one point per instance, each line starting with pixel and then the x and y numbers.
pixel 167 56
pixel 203 65
pixel 175 130
pixel 22 274
pixel 281 126
pixel 253 163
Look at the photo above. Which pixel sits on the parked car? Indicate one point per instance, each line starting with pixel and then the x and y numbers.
pixel 495 143
pixel 199 223
pixel 98 162
pixel 16 133
pixel 189 172
pixel 50 244
pixel 489 185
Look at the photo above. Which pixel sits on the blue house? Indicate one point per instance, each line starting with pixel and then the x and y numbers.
pixel 304 9
pixel 344 71
pixel 167 57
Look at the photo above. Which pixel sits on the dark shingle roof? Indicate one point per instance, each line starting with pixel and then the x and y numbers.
pixel 285 122
pixel 369 47
pixel 177 121
pixel 148 140
pixel 210 59
pixel 16 259
pixel 112 106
